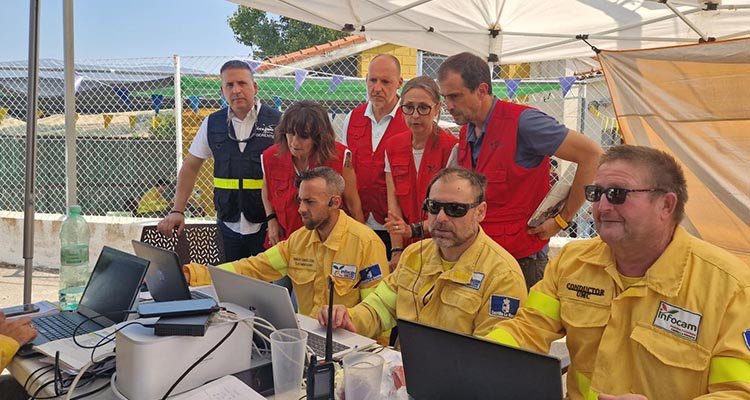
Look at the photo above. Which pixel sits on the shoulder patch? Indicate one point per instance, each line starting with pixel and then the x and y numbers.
pixel 504 306
pixel 344 271
pixel 746 336
pixel 370 274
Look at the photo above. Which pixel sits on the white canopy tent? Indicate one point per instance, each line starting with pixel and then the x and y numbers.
pixel 514 31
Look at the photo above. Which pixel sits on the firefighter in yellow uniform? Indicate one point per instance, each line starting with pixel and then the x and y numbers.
pixel 459 280
pixel 649 310
pixel 331 244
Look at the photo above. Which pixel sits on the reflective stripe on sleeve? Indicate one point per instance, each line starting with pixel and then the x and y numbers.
pixel 728 369
pixel 385 298
pixel 365 292
pixel 276 260
pixel 229 183
pixel 502 336
pixel 227 267
pixel 544 303
pixel 584 387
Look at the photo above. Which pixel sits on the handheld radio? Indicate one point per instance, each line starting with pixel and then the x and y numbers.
pixel 320 374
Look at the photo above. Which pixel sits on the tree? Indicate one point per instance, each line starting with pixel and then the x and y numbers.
pixel 269 35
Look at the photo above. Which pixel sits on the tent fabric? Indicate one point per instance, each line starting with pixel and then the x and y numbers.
pixel 519 30
pixel 692 101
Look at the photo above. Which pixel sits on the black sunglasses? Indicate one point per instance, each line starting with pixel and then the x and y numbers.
pixel 422 109
pixel 454 210
pixel 614 195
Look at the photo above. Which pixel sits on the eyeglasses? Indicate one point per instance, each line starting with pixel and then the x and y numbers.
pixel 422 109
pixel 454 210
pixel 614 195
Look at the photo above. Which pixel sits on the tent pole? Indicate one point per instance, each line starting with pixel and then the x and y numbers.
pixel 178 111
pixel 31 106
pixel 71 147
pixel 686 21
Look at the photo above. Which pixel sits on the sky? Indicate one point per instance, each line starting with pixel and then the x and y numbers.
pixel 107 29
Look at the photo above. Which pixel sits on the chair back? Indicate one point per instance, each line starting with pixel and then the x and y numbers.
pixel 199 243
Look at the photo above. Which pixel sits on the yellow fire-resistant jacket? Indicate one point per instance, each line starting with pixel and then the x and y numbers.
pixel 353 254
pixel 680 333
pixel 484 287
pixel 8 348
pixel 152 202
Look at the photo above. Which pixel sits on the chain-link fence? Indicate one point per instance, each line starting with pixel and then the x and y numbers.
pixel 131 133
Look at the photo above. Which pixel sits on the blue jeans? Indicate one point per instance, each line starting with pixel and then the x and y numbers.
pixel 238 246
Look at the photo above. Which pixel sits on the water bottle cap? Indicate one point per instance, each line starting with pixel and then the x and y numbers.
pixel 74 210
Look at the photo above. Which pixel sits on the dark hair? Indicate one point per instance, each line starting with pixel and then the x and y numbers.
pixel 390 57
pixel 308 118
pixel 334 180
pixel 663 171
pixel 473 70
pixel 236 64
pixel 477 181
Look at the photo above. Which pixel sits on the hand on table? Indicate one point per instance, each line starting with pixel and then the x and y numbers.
pixel 21 330
pixel 341 318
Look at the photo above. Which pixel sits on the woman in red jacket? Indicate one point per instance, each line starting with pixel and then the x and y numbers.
pixel 304 139
pixel 412 158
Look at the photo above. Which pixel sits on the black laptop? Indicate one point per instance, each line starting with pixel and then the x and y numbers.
pixel 111 291
pixel 165 280
pixel 440 364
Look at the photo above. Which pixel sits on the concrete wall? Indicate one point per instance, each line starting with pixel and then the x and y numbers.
pixel 114 232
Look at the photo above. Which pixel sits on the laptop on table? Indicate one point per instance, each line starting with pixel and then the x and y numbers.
pixel 112 288
pixel 272 303
pixel 164 279
pixel 440 364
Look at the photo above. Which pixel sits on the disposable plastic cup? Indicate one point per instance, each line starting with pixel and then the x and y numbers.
pixel 362 375
pixel 288 362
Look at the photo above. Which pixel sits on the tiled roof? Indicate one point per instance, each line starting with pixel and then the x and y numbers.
pixel 317 50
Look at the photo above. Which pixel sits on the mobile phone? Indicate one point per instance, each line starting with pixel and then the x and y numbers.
pixel 19 310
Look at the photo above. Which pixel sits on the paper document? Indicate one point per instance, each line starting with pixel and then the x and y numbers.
pixel 225 388
pixel 551 205
pixel 72 357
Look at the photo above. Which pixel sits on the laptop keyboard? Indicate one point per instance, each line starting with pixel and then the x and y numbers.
pixel 318 344
pixel 56 327
pixel 196 295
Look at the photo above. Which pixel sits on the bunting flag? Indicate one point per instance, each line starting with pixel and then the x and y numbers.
pixel 77 81
pixel 133 119
pixel 299 77
pixel 107 120
pixel 253 65
pixel 3 113
pixel 124 95
pixel 335 82
pixel 156 101
pixel 277 102
pixel 194 102
pixel 566 82
pixel 512 86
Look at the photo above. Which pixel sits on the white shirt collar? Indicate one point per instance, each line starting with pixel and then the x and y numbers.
pixel 370 114
pixel 252 115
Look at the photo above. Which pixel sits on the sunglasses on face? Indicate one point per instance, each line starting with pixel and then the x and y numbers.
pixel 422 109
pixel 614 195
pixel 454 210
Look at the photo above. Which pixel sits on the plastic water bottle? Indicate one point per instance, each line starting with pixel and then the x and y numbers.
pixel 74 258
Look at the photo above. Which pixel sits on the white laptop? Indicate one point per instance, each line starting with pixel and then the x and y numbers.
pixel 272 303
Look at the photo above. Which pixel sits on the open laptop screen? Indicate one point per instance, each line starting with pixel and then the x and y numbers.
pixel 439 364
pixel 113 286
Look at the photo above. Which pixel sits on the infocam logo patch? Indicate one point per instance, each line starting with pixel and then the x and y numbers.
pixel 504 306
pixel 677 320
pixel 344 271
